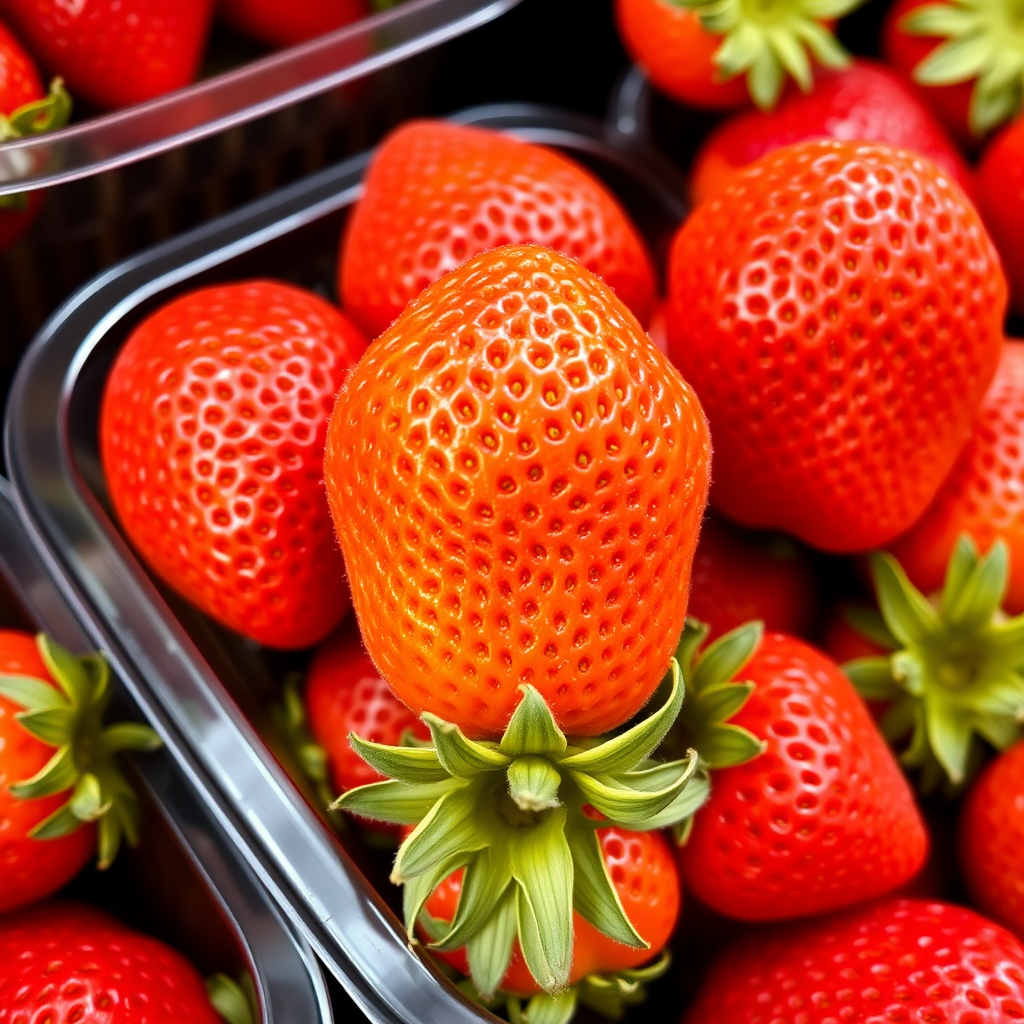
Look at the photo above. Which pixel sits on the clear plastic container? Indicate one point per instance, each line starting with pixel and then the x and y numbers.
pixel 210 686
pixel 185 883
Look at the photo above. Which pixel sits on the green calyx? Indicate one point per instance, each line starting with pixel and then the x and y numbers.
pixel 982 40
pixel 521 816
pixel 233 1001
pixel 769 39
pixel 69 717
pixel 956 675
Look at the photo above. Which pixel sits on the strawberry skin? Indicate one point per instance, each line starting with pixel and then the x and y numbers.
pixel 345 694
pixel 73 963
pixel 112 52
pixel 517 478
pixel 991 837
pixel 1001 200
pixel 838 308
pixel 438 194
pixel 823 818
pixel 866 102
pixel 19 79
pixel 212 436
pixel 30 868
pixel 982 495
pixel 280 24
pixel 898 961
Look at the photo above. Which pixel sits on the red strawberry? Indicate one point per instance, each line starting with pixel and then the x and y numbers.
pixel 71 963
pixel 823 818
pixel 982 496
pixel 700 56
pixel 643 870
pixel 965 57
pixel 48 810
pixel 345 694
pixel 1001 201
pixel 438 194
pixel 287 24
pixel 844 639
pixel 991 838
pixel 901 960
pixel 838 309
pixel 116 52
pixel 25 109
pixel 517 477
pixel 865 102
pixel 738 577
pixel 212 437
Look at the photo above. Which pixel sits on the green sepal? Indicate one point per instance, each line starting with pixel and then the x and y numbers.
pixel 611 994
pixel 49 114
pixel 230 999
pixel 769 41
pixel 957 680
pixel 410 765
pixel 681 811
pixel 544 1008
pixel 981 41
pixel 515 815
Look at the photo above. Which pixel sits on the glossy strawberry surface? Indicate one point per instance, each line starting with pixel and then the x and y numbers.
pixel 838 309
pixel 438 194
pixel 287 24
pixel 517 478
pixel 901 961
pixel 822 818
pixel 1001 201
pixel 212 437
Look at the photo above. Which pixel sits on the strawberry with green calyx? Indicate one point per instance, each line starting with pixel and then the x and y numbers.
pixel 956 678
pixel 59 777
pixel 770 41
pixel 519 816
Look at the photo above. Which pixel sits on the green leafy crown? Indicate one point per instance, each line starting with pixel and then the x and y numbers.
pixel 35 118
pixel 768 39
pixel 955 674
pixel 69 717
pixel 982 40
pixel 521 816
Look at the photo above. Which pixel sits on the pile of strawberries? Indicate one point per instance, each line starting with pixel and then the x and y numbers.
pixel 600 721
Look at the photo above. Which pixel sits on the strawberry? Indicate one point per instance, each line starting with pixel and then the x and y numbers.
pixel 981 496
pixel 991 835
pixel 854 630
pixel 965 57
pixel 739 576
pixel 345 694
pixel 72 963
pixel 838 309
pixel 60 788
pixel 900 960
pixel 116 52
pixel 864 102
pixel 279 25
pixel 696 50
pixel 212 436
pixel 25 109
pixel 1001 201
pixel 823 818
pixel 604 973
pixel 438 194
pixel 517 477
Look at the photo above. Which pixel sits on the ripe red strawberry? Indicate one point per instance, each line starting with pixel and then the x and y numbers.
pixel 1001 201
pixel 844 639
pixel 19 78
pixel 644 873
pixel 438 194
pixel 114 52
pixel 965 57
pixel 287 24
pixel 48 810
pixel 738 577
pixel 517 477
pixel 345 694
pixel 823 818
pixel 212 437
pixel 700 55
pixel 982 496
pixel 72 963
pixel 901 960
pixel 991 835
pixel 838 309
pixel 864 102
